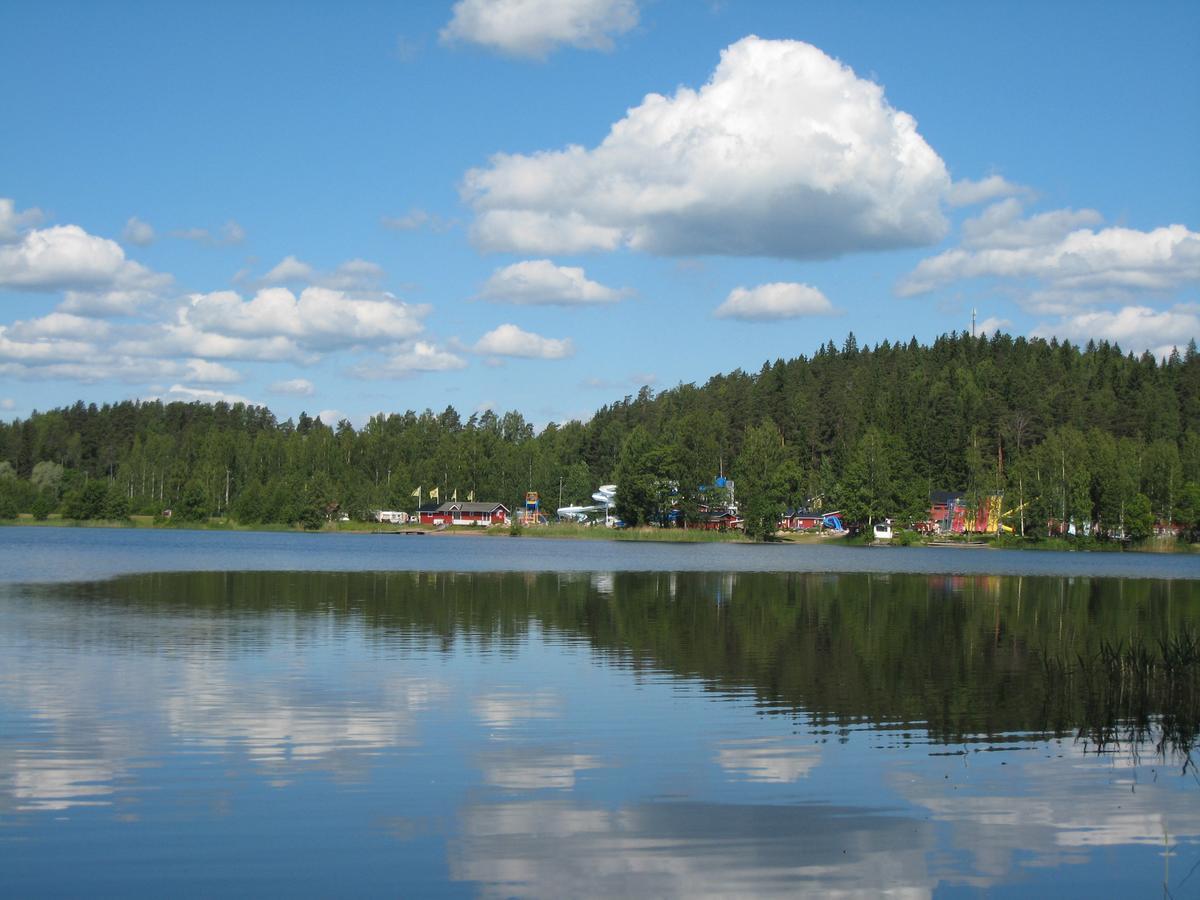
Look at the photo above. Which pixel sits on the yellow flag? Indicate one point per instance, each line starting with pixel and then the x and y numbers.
pixel 434 495
pixel 470 496
pixel 455 497
pixel 417 492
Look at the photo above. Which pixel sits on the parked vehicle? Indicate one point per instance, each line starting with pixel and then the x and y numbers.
pixel 883 531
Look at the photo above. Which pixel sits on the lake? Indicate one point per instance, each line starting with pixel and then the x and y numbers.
pixel 199 713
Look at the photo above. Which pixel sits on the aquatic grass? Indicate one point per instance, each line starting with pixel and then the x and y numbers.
pixel 1133 694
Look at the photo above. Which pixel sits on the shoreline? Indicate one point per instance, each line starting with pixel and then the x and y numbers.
pixel 571 532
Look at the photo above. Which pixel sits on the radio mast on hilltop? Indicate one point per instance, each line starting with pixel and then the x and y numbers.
pixel 972 321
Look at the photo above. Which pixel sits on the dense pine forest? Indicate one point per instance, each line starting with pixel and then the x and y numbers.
pixel 1066 433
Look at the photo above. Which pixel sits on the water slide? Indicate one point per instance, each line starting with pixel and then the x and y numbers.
pixel 605 497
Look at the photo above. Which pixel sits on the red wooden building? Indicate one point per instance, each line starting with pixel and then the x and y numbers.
pixel 466 513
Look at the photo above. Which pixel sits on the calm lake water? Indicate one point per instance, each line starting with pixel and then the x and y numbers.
pixel 201 713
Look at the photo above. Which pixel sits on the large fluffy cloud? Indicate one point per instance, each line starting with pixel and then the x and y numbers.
pixel 509 340
pixel 539 282
pixel 785 152
pixel 1057 264
pixel 533 28
pixel 66 256
pixel 779 300
pixel 319 319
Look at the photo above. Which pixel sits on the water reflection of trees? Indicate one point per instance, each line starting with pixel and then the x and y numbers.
pixel 964 657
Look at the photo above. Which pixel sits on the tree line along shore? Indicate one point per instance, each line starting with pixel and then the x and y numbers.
pixel 1105 441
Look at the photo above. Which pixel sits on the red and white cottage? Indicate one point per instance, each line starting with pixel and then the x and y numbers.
pixel 466 513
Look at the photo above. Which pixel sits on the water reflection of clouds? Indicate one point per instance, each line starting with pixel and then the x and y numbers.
pixel 776 760
pixel 553 848
pixel 528 769
pixel 280 722
pixel 93 721
pixel 506 709
pixel 1050 811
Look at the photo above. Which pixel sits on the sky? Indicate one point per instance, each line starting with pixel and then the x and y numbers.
pixel 545 205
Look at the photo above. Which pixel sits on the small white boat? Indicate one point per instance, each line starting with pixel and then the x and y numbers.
pixel 883 531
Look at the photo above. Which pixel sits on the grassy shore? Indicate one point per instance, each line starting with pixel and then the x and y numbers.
pixel 659 535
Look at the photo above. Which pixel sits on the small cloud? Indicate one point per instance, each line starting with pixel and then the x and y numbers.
pixel 7 403
pixel 293 387
pixel 290 269
pixel 533 28
pixel 12 223
pixel 966 192
pixel 771 302
pixel 230 233
pixel 137 232
pixel 410 221
pixel 353 274
pixel 538 282
pixel 411 359
pixel 992 324
pixel 509 340
pixel 198 395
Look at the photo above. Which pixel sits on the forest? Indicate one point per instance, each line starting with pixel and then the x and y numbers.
pixel 1067 433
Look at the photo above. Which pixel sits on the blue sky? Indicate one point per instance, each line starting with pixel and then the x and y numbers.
pixel 545 205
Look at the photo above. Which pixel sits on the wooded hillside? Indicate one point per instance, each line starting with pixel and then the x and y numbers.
pixel 1080 433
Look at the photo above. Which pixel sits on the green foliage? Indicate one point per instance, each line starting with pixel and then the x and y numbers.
pixel 638 476
pixel 86 502
pixel 760 476
pixel 1139 519
pixel 192 505
pixel 43 504
pixel 47 475
pixel 8 499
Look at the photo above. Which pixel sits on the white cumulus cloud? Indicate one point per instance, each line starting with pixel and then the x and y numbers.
pixel 66 256
pixel 1136 328
pixel 411 359
pixel 317 320
pixel 785 152
pixel 1058 266
pixel 12 223
pixel 539 282
pixel 533 28
pixel 778 300
pixel 1002 226
pixel 64 346
pixel 509 340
